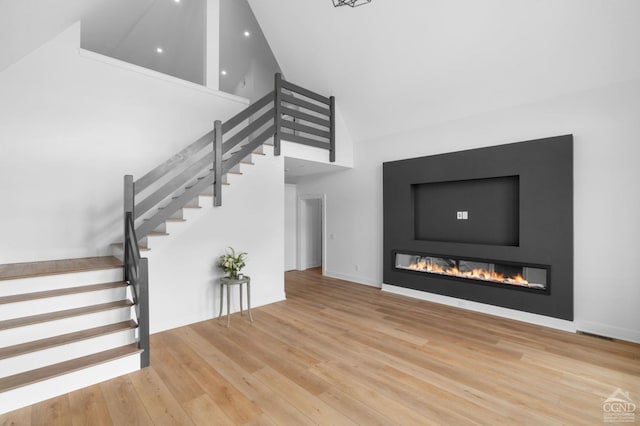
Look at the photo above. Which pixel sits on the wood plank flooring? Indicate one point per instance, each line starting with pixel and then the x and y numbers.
pixel 341 353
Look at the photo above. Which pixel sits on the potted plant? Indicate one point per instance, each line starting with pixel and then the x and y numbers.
pixel 233 262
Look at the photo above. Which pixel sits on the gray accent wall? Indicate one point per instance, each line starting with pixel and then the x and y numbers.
pixel 544 168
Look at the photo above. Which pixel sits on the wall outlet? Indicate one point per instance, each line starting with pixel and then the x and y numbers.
pixel 458 215
pixel 462 215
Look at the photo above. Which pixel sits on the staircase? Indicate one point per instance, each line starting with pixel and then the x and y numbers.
pixel 72 323
pixel 69 317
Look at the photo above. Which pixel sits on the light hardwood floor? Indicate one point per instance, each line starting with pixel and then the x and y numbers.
pixel 341 353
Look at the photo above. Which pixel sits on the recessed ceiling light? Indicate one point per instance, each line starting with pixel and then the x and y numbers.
pixel 177 1
pixel 247 33
pixel 223 72
pixel 159 49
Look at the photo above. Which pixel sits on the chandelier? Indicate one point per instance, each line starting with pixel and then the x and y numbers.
pixel 352 3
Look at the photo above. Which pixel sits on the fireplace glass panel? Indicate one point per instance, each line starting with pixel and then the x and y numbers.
pixel 482 271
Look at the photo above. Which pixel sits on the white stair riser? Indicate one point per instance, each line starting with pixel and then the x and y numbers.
pixel 194 202
pixel 153 211
pixel 33 360
pixel 117 253
pixel 59 303
pixel 52 282
pixel 231 179
pixel 208 190
pixel 161 228
pixel 31 394
pixel 14 336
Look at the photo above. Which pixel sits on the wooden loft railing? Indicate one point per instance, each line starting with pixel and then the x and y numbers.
pixel 289 112
pixel 304 117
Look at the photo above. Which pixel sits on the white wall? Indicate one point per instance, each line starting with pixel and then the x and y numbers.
pixel 606 132
pixel 290 227
pixel 184 275
pixel 72 123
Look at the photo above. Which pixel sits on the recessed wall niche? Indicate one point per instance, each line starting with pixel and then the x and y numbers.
pixel 492 207
pixel 507 206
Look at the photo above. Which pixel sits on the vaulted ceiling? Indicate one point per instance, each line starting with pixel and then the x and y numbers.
pixel 405 64
pixel 129 30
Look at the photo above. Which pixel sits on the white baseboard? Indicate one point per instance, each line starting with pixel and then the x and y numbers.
pixel 481 307
pixel 353 278
pixel 600 329
pixel 235 307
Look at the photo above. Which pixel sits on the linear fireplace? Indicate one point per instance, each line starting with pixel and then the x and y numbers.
pixel 480 271
pixel 503 215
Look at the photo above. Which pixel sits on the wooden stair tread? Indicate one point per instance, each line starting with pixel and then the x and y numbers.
pixel 259 153
pixel 55 370
pixel 67 313
pixel 60 292
pixel 174 219
pixel 233 172
pixel 63 339
pixel 250 163
pixel 55 267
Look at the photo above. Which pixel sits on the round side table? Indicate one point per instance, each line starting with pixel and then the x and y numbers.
pixel 228 282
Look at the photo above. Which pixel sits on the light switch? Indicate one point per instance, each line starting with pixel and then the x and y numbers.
pixel 458 215
pixel 465 215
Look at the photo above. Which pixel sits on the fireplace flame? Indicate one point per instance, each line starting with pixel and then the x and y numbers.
pixel 478 273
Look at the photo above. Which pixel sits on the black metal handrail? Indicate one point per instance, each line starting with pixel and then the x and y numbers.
pixel 136 273
pixel 290 113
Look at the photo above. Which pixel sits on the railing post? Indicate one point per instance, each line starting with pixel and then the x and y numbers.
pixel 277 115
pixel 128 208
pixel 217 163
pixel 143 316
pixel 332 130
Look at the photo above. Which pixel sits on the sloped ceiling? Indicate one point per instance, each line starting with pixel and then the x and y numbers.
pixel 27 24
pixel 128 30
pixel 395 65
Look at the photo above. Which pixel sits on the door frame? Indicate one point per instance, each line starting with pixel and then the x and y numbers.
pixel 301 251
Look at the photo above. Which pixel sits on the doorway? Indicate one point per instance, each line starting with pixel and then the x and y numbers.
pixel 311 252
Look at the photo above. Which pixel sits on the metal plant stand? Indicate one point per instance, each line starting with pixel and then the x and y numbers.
pixel 228 282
